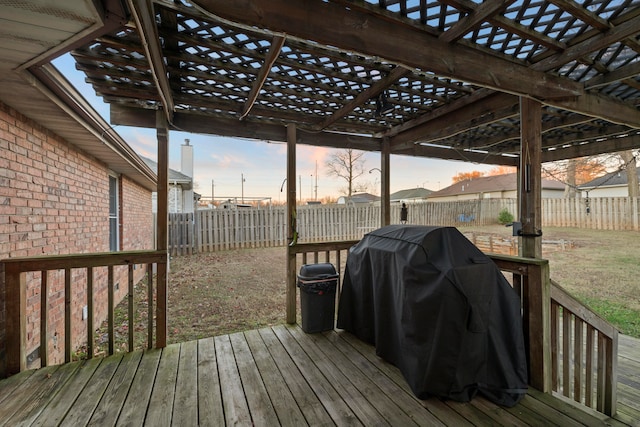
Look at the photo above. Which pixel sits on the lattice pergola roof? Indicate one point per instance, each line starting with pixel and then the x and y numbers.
pixel 452 71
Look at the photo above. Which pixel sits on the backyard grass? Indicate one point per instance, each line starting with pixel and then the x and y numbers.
pixel 224 292
pixel 600 267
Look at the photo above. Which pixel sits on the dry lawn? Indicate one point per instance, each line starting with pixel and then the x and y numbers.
pixel 223 292
pixel 230 291
pixel 217 293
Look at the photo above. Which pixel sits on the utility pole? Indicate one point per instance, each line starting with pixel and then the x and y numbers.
pixel 315 197
pixel 242 177
pixel 212 192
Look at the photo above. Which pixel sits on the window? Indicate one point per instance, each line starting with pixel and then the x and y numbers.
pixel 113 214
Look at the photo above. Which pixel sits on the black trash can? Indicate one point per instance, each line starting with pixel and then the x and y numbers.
pixel 318 283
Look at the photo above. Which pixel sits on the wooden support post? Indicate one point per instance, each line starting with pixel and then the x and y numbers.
pixel 538 326
pixel 538 312
pixel 16 332
pixel 292 235
pixel 386 186
pixel 162 244
pixel 530 176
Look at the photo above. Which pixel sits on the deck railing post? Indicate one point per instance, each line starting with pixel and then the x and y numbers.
pixel 539 326
pixel 611 377
pixel 16 322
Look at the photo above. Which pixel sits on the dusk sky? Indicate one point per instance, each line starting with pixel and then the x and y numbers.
pixel 225 160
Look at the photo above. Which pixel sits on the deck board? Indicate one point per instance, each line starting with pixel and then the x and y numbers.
pixel 210 411
pixel 185 406
pixel 273 376
pixel 110 405
pixel 306 400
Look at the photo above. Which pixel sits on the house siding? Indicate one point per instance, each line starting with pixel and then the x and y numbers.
pixel 54 200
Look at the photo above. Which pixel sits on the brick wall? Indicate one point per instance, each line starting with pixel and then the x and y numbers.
pixel 54 200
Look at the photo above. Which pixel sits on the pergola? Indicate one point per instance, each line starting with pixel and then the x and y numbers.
pixel 502 82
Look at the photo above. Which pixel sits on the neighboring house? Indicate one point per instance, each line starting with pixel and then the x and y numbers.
pixel 68 184
pixel 614 184
pixel 492 187
pixel 181 197
pixel 358 198
pixel 410 195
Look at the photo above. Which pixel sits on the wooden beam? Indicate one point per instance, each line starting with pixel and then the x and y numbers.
pixel 601 107
pixel 272 55
pixel 354 30
pixel 619 74
pixel 561 122
pixel 435 152
pixel 140 117
pixel 593 148
pixel 142 11
pixel 491 109
pixel 292 230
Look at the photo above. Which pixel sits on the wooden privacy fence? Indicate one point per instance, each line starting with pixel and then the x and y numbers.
pixel 219 229
pixel 600 213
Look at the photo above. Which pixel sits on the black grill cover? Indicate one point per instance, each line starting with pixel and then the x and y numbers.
pixel 439 309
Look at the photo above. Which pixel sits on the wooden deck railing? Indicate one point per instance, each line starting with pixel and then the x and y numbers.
pixel 572 350
pixel 561 334
pixel 15 270
pixel 584 353
pixel 312 253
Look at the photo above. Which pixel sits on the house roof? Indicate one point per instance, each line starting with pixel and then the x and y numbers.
pixel 361 198
pixel 493 183
pixel 612 179
pixel 453 72
pixel 175 177
pixel 410 193
pixel 31 33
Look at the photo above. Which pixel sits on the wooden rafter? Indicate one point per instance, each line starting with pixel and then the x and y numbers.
pixel 592 44
pixel 514 27
pixel 479 14
pixel 142 11
pixel 364 96
pixel 272 55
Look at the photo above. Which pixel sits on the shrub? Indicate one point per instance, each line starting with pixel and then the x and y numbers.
pixel 505 217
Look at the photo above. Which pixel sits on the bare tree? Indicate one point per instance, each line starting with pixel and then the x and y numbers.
pixel 348 165
pixel 632 172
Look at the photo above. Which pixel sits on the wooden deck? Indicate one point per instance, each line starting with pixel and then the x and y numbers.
pixel 272 376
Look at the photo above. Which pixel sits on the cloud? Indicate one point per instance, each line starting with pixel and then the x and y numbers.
pixel 142 141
